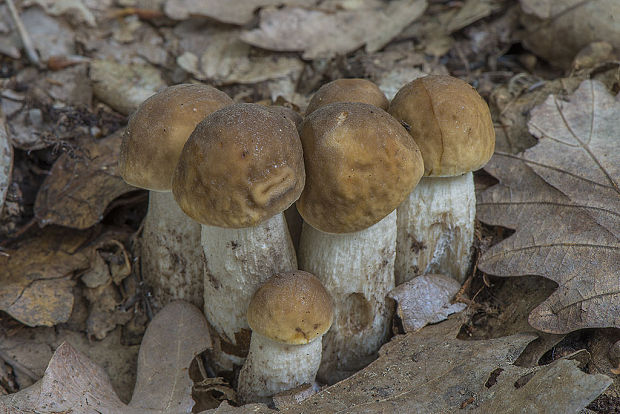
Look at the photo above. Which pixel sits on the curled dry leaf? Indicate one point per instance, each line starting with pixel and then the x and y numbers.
pixel 322 34
pixel 81 185
pixel 425 299
pixel 36 284
pixel 6 160
pixel 562 197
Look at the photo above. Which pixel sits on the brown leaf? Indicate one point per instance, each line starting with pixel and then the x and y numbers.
pixel 36 285
pixel 321 34
pixel 81 185
pixel 175 336
pixel 572 237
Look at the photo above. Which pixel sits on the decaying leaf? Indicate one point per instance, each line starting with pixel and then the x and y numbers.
pixel 81 185
pixel 36 284
pixel 425 299
pixel 567 231
pixel 576 22
pixel 6 160
pixel 73 383
pixel 321 34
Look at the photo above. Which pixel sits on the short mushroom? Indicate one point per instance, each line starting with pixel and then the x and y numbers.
pixel 240 169
pixel 171 256
pixel 360 165
pixel 452 125
pixel 348 90
pixel 288 315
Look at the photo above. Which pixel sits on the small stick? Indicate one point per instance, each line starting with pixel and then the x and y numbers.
pixel 23 34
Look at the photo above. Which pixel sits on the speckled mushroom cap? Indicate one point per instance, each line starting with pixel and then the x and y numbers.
pixel 348 90
pixel 157 131
pixel 449 121
pixel 360 165
pixel 292 308
pixel 242 165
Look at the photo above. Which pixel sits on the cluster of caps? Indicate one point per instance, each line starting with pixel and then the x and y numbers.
pixel 351 161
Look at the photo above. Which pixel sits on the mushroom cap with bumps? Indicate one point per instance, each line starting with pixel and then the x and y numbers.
pixel 449 121
pixel 348 90
pixel 242 165
pixel 292 308
pixel 157 131
pixel 360 165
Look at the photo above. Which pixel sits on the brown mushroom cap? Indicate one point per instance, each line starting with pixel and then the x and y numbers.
pixel 292 307
pixel 449 121
pixel 157 131
pixel 360 165
pixel 348 90
pixel 242 165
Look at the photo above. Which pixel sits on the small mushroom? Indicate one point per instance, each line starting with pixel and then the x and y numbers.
pixel 288 315
pixel 348 90
pixel 171 256
pixel 240 169
pixel 360 165
pixel 452 125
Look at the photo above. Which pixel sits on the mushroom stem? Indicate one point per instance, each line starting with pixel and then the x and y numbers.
pixel 357 269
pixel 171 254
pixel 239 261
pixel 436 228
pixel 273 367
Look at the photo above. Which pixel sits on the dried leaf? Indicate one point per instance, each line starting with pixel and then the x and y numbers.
pixel 321 34
pixel 50 36
pixel 36 285
pixel 571 238
pixel 425 299
pixel 81 185
pixel 73 8
pixel 6 160
pixel 174 337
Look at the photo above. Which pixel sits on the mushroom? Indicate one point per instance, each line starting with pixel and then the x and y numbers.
pixel 171 256
pixel 240 169
pixel 288 315
pixel 452 125
pixel 360 165
pixel 348 90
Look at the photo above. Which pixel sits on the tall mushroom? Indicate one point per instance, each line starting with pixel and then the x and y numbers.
pixel 240 169
pixel 348 90
pixel 452 125
pixel 171 256
pixel 288 315
pixel 360 165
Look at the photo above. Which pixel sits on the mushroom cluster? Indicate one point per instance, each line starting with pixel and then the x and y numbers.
pixel 385 191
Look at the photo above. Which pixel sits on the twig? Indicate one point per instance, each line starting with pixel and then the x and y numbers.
pixel 23 34
pixel 17 365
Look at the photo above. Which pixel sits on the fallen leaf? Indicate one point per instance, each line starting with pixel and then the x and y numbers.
pixel 174 337
pixel 323 34
pixel 6 160
pixel 71 8
pixel 105 310
pixel 80 185
pixel 567 231
pixel 425 299
pixel 50 36
pixel 36 284
pixel 576 22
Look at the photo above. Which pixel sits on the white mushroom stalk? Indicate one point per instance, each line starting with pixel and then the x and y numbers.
pixel 452 125
pixel 358 271
pixel 288 316
pixel 436 228
pixel 240 169
pixel 360 165
pixel 171 257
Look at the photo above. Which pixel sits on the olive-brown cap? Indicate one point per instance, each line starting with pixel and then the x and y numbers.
pixel 242 165
pixel 360 165
pixel 449 121
pixel 157 131
pixel 348 90
pixel 292 308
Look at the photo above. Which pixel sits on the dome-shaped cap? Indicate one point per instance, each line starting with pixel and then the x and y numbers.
pixel 242 165
pixel 449 121
pixel 360 165
pixel 348 90
pixel 157 131
pixel 292 308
